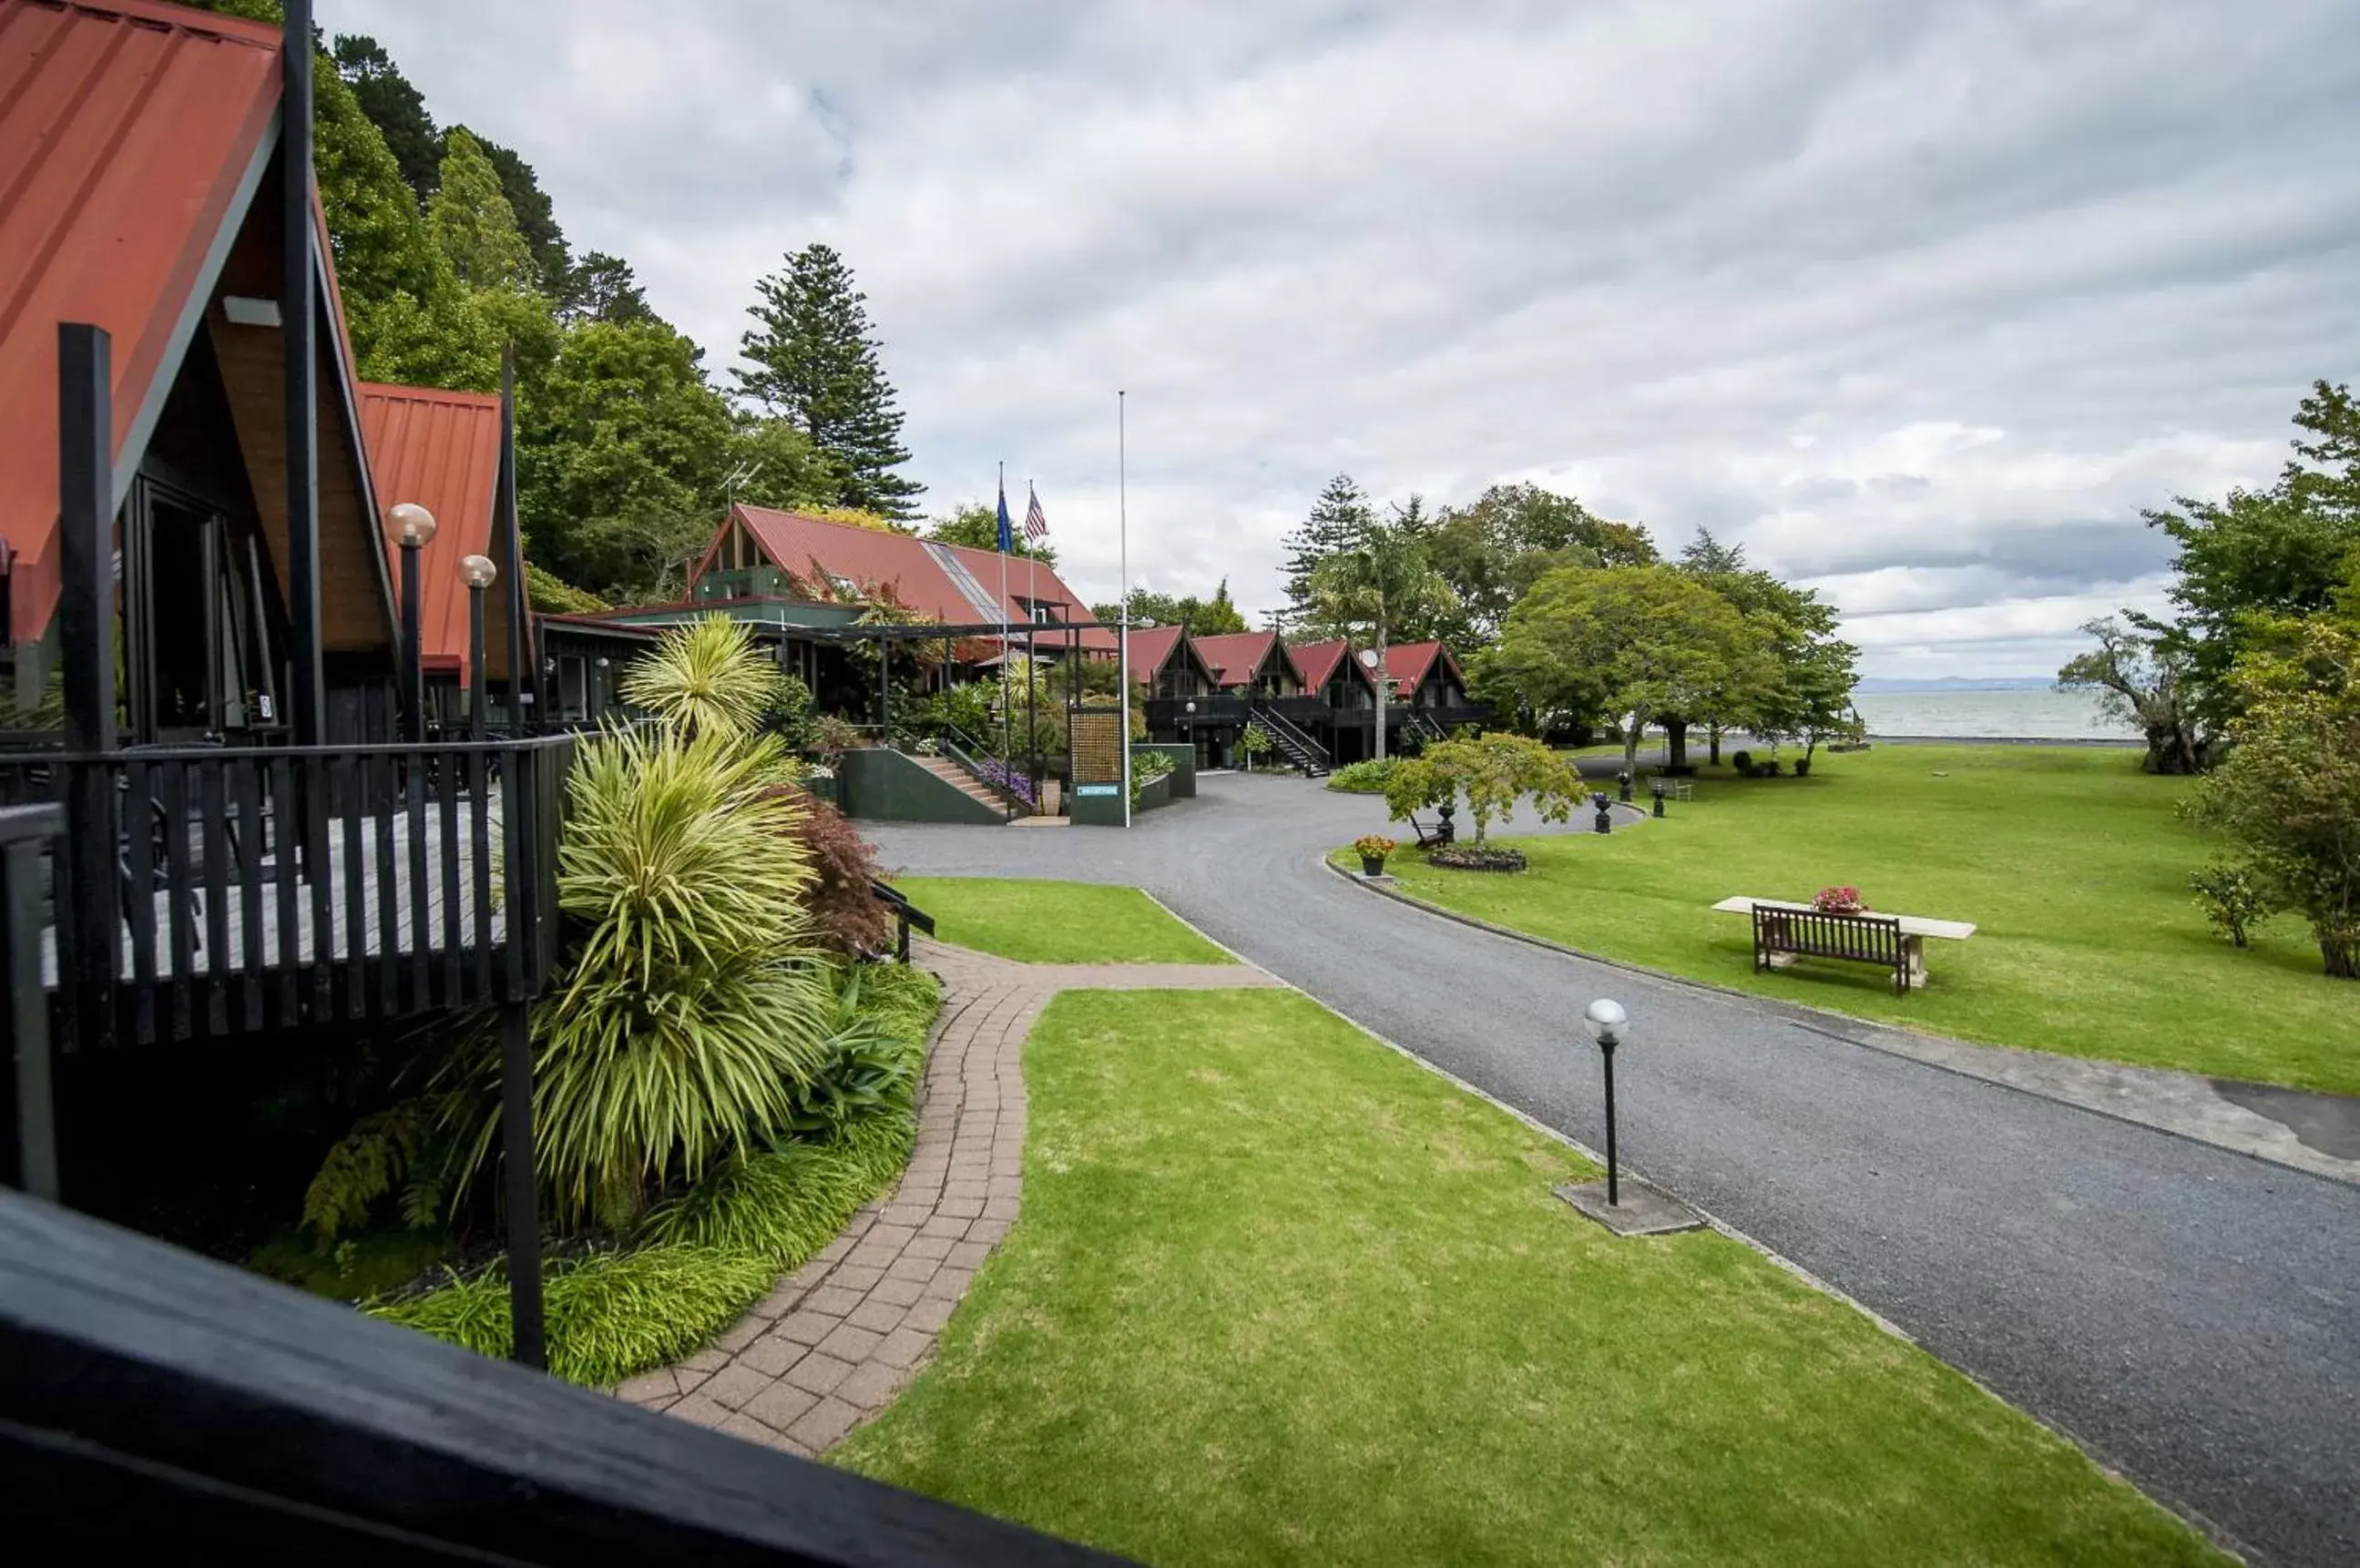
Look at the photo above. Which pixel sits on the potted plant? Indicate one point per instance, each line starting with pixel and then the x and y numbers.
pixel 1837 901
pixel 1373 848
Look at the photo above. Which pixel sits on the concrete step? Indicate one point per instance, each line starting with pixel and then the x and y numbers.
pixel 958 777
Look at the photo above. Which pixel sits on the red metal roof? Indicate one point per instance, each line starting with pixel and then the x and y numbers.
pixel 1407 662
pixel 1234 657
pixel 128 127
pixel 441 451
pixel 1149 647
pixel 1316 661
pixel 919 571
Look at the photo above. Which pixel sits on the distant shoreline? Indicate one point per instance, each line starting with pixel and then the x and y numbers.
pixel 2106 741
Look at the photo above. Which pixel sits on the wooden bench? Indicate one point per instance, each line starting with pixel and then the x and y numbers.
pixel 1818 933
pixel 1441 833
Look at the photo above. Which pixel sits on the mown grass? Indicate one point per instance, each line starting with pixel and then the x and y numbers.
pixel 2069 861
pixel 1280 1295
pixel 1056 923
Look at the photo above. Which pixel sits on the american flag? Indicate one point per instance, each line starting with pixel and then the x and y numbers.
pixel 1036 523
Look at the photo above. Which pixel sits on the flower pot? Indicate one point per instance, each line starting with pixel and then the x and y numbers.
pixel 1372 866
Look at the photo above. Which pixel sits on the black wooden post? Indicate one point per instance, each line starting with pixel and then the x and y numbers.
pixel 298 325
pixel 86 948
pixel 523 1197
pixel 884 691
pixel 476 685
pixel 413 651
pixel 22 831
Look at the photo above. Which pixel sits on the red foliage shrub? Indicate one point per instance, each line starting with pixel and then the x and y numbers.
pixel 846 916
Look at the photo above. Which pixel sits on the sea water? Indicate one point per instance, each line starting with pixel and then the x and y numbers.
pixel 2031 713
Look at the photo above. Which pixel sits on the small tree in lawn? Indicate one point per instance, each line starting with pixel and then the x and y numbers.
pixel 1494 771
pixel 2140 677
pixel 1641 640
pixel 2287 793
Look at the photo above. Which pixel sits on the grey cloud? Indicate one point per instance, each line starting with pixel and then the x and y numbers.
pixel 1945 291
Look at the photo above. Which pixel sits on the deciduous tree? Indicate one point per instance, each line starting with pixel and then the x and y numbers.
pixel 1494 771
pixel 2140 678
pixel 1630 642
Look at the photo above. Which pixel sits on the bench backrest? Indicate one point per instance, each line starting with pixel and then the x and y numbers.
pixel 1818 933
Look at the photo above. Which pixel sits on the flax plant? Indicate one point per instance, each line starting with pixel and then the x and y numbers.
pixel 705 677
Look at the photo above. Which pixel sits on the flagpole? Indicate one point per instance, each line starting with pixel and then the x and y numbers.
pixel 1122 612
pixel 1004 702
pixel 1031 620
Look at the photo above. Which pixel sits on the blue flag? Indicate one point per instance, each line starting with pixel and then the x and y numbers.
pixel 1007 536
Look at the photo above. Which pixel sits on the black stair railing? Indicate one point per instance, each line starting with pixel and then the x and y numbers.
pixel 1295 744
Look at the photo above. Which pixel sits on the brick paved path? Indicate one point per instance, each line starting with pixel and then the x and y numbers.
pixel 840 1336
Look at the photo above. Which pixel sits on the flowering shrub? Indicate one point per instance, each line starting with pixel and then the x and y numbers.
pixel 1004 776
pixel 1837 901
pixel 1373 846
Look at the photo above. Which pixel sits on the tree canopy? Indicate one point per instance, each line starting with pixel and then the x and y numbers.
pixel 976 526
pixel 1642 641
pixel 814 358
pixel 1203 617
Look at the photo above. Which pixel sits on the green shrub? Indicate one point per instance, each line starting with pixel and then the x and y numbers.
pixel 1146 767
pixel 786 1203
pixel 609 1315
pixel 2233 898
pixel 695 1003
pixel 867 1064
pixel 1368 778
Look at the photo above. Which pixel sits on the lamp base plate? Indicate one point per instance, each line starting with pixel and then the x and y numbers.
pixel 1643 1210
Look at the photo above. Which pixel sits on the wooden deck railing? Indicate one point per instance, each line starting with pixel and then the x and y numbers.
pixel 205 890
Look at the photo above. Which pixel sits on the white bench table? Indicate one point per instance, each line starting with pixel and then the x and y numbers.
pixel 1915 929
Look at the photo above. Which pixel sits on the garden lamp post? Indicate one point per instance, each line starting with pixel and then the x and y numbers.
pixel 1605 1020
pixel 413 525
pixel 478 573
pixel 1656 787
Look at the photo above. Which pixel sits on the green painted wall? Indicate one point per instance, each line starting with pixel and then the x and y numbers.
pixel 886 786
pixel 1182 776
pixel 1095 811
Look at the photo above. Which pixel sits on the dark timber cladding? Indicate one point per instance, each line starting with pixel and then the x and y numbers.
pixel 157 1407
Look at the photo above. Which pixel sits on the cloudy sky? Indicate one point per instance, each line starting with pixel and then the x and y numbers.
pixel 1922 303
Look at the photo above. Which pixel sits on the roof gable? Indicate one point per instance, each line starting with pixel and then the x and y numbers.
pixel 1316 662
pixel 1236 657
pixel 441 451
pixel 138 133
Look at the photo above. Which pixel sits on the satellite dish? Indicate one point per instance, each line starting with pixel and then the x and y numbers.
pixel 1369 658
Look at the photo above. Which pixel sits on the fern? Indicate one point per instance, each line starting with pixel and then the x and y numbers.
pixel 366 1164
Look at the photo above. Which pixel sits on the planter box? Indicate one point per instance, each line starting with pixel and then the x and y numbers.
pixel 1156 794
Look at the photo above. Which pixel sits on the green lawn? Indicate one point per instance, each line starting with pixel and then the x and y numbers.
pixel 1056 923
pixel 2069 860
pixel 1280 1295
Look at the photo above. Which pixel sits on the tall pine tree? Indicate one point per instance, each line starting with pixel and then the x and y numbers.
pixel 1338 519
pixel 814 359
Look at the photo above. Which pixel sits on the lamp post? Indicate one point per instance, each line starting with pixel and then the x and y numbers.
pixel 1188 724
pixel 1368 663
pixel 1656 787
pixel 413 525
pixel 1605 1020
pixel 478 573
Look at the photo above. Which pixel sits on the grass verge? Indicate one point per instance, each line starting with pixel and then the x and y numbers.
pixel 1056 923
pixel 1280 1294
pixel 694 1264
pixel 2069 861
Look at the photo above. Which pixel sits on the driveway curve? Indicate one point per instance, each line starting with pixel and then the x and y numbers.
pixel 2190 1315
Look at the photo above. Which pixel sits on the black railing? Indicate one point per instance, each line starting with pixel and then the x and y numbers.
pixel 1295 743
pixel 156 1406
pixel 905 915
pixel 208 891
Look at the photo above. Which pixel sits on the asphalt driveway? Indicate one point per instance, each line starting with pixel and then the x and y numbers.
pixel 2192 1316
